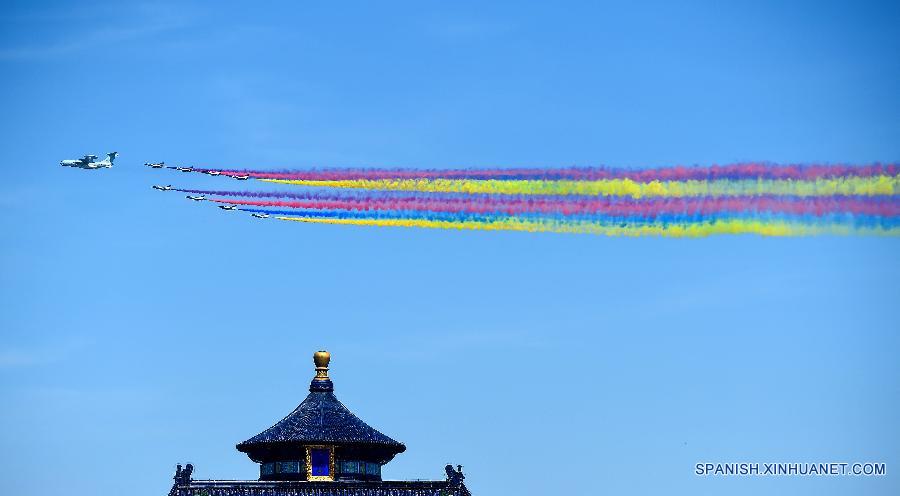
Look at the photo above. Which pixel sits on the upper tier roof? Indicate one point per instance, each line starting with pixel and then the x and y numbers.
pixel 321 419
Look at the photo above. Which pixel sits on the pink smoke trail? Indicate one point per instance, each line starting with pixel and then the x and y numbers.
pixel 576 206
pixel 676 173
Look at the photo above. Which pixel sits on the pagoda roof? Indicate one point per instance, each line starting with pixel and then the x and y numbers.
pixel 286 488
pixel 321 418
pixel 324 422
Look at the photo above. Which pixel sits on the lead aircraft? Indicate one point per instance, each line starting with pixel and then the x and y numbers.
pixel 87 162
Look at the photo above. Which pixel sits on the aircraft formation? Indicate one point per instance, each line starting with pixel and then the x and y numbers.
pixel 744 198
pixel 90 162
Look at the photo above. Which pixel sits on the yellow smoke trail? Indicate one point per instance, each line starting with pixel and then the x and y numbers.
pixel 688 230
pixel 862 186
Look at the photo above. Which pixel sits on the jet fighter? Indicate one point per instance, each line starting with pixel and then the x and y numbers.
pixel 260 216
pixel 213 172
pixel 162 188
pixel 196 198
pixel 228 207
pixel 185 169
pixel 241 177
pixel 88 162
pixel 155 165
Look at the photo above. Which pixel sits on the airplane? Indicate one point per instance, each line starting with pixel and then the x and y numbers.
pixel 87 159
pixel 196 198
pixel 87 162
pixel 162 188
pixel 213 172
pixel 108 161
pixel 260 216
pixel 241 178
pixel 155 165
pixel 228 207
pixel 185 169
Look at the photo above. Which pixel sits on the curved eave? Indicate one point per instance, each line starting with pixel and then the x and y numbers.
pixel 281 450
pixel 247 446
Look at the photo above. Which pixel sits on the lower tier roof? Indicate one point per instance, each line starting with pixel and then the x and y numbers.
pixel 337 488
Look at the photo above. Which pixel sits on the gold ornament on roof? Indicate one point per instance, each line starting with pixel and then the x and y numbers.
pixel 321 359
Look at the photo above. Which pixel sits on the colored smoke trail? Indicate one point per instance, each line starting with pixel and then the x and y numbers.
pixel 804 172
pixel 787 200
pixel 816 206
pixel 685 230
pixel 848 186
pixel 847 220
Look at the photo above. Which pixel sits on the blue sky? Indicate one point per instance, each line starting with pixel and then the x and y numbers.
pixel 140 330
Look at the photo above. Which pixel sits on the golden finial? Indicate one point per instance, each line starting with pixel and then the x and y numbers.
pixel 321 359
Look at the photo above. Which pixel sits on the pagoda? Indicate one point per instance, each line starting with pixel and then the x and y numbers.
pixel 320 449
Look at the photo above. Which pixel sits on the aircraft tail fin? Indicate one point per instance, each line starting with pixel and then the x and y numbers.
pixel 111 156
